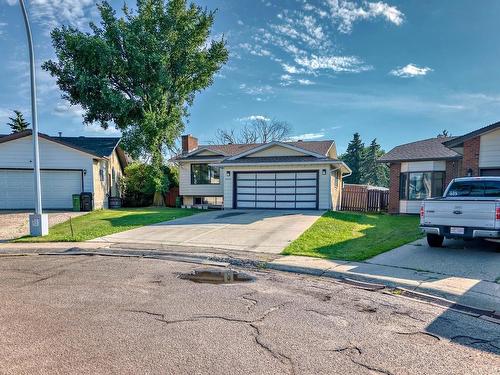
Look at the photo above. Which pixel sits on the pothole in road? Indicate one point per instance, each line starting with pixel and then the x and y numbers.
pixel 216 276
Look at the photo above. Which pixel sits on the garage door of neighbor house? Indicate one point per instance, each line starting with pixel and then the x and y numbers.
pixel 58 186
pixel 275 190
pixel 490 172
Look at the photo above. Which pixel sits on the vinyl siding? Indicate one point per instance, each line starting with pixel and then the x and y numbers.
pixel 409 207
pixel 489 154
pixel 19 154
pixel 325 200
pixel 187 189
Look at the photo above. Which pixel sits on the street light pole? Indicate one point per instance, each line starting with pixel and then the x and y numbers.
pixel 38 222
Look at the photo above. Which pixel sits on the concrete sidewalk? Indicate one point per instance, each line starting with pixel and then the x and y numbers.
pixel 467 291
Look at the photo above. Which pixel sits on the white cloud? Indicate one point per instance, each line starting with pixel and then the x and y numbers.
pixel 65 109
pixel 306 136
pixel 253 118
pixel 98 130
pixel 256 90
pixel 305 82
pixel 52 13
pixel 335 63
pixel 240 22
pixel 346 13
pixel 410 70
pixel 2 26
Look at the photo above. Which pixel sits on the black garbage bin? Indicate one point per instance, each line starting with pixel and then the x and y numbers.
pixel 86 201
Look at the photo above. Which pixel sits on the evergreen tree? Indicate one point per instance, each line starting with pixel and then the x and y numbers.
pixel 18 124
pixel 372 172
pixel 353 157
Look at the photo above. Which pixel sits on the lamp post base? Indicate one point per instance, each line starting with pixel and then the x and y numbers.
pixel 39 225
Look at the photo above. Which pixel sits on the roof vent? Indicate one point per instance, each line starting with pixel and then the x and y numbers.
pixel 300 140
pixel 60 134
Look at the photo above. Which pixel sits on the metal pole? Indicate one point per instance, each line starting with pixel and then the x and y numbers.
pixel 34 116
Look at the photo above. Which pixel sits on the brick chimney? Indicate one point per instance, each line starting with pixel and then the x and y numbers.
pixel 189 143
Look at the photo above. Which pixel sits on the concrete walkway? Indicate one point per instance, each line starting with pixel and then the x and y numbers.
pixel 457 282
pixel 264 231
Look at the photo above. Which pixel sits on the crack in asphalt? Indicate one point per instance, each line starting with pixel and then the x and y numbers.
pixel 253 302
pixel 419 333
pixel 371 368
pixel 408 314
pixel 350 348
pixel 251 323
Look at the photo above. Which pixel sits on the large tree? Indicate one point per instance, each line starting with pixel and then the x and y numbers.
pixel 140 72
pixel 353 157
pixel 18 123
pixel 372 172
pixel 257 130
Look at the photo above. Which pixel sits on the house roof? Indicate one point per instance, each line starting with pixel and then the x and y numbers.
pixel 229 150
pixel 277 159
pixel 458 141
pixel 427 149
pixel 97 146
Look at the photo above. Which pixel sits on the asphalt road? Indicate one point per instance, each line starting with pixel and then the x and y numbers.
pixel 92 315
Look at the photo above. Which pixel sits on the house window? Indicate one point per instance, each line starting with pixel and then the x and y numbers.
pixel 204 174
pixel 416 186
pixel 101 174
pixel 210 201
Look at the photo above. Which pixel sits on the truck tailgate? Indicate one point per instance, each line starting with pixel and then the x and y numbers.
pixel 477 213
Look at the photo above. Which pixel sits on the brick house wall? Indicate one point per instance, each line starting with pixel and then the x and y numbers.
pixel 395 171
pixel 471 156
pixel 453 170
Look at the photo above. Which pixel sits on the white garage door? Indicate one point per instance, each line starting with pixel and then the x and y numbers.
pixel 17 189
pixel 277 190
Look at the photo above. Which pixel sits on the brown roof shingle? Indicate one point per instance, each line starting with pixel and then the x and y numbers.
pixel 427 149
pixel 318 147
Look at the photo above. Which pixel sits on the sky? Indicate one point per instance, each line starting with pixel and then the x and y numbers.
pixel 398 71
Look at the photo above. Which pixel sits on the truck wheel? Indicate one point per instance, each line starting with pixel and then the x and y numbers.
pixel 434 240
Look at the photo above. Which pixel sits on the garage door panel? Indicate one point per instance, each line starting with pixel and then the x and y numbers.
pixel 305 204
pixel 306 182
pixel 267 190
pixel 17 189
pixel 306 197
pixel 285 183
pixel 267 197
pixel 286 190
pixel 285 204
pixel 246 197
pixel 306 190
pixel 246 176
pixel 266 176
pixel 285 176
pixel 246 190
pixel 309 175
pixel 265 183
pixel 264 204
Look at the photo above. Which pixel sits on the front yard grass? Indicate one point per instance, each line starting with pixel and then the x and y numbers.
pixel 104 222
pixel 354 236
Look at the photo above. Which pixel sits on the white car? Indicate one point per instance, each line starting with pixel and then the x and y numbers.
pixel 469 208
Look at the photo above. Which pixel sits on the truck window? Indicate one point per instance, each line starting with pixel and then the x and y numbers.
pixel 475 188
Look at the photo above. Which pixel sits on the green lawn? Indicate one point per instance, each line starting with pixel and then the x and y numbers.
pixel 354 236
pixel 103 222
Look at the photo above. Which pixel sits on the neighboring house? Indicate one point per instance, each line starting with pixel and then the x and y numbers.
pixel 423 169
pixel 69 165
pixel 275 175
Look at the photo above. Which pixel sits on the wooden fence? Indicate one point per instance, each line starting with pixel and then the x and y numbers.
pixel 171 196
pixel 364 198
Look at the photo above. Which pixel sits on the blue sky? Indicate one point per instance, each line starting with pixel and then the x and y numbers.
pixel 395 70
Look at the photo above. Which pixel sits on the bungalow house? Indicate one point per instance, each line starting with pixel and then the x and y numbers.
pixel 274 175
pixel 423 169
pixel 69 165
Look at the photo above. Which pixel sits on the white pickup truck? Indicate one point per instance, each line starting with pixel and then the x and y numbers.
pixel 469 208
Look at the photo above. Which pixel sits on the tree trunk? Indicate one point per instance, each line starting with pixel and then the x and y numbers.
pixel 158 199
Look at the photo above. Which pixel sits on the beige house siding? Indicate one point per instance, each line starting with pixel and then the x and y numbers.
pixel 187 189
pixel 109 183
pixel 325 201
pixel 489 152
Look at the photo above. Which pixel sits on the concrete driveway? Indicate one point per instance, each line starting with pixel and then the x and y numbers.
pixel 265 231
